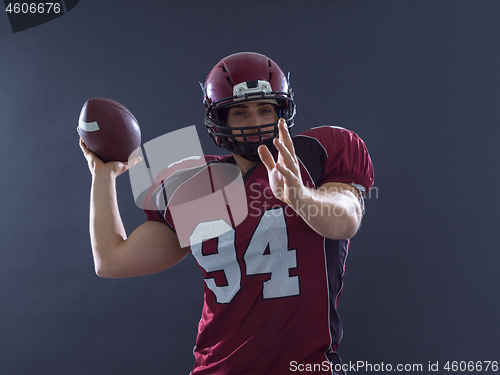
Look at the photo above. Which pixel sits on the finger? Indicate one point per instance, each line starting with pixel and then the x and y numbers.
pixel 86 152
pixel 285 157
pixel 85 149
pixel 83 146
pixel 266 157
pixel 89 155
pixel 290 178
pixel 285 137
pixel 134 161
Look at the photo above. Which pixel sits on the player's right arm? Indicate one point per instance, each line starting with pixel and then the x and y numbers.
pixel 150 248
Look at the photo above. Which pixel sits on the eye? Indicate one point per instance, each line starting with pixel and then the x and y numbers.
pixel 236 112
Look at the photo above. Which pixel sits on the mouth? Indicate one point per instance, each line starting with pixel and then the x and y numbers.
pixel 257 138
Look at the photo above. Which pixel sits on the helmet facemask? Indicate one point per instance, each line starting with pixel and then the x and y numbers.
pixel 226 136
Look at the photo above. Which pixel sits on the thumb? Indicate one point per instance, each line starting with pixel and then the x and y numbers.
pixel 134 161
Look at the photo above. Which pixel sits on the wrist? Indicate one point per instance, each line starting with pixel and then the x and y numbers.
pixel 103 171
pixel 103 176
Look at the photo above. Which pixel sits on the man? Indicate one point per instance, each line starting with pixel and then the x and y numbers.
pixel 272 282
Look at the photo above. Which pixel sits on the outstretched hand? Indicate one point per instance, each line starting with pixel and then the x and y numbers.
pixel 284 175
pixel 96 165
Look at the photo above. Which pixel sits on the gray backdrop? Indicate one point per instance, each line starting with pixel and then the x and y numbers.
pixel 417 80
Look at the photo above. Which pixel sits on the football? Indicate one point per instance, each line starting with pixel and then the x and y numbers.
pixel 109 130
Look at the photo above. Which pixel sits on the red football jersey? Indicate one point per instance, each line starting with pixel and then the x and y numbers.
pixel 271 282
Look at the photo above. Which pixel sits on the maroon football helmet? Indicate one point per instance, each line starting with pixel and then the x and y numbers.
pixel 239 78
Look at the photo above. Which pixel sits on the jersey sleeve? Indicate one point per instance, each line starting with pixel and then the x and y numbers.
pixel 152 215
pixel 154 206
pixel 156 199
pixel 169 188
pixel 347 159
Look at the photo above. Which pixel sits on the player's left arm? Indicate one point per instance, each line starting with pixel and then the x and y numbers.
pixel 333 210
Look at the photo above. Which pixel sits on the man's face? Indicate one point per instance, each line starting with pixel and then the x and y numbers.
pixel 251 114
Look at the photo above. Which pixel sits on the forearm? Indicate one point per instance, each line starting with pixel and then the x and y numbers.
pixel 106 227
pixel 333 213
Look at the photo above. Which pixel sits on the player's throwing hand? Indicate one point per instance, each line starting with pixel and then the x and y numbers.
pixel 96 165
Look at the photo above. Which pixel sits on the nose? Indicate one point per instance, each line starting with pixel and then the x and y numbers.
pixel 255 119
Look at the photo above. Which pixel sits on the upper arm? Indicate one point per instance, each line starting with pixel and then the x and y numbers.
pixel 150 248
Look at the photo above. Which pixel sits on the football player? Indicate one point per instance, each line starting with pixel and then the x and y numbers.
pixel 273 281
